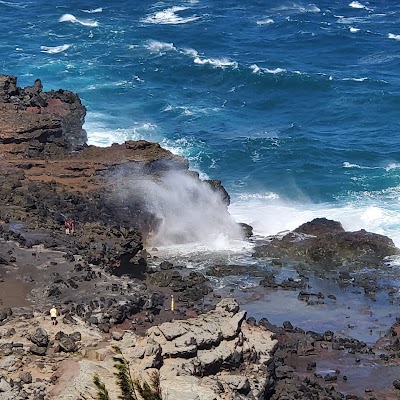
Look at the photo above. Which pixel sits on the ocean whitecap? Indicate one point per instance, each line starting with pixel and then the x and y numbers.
pixel 158 47
pixel 13 5
pixel 96 10
pixel 55 49
pixel 74 20
pixel 190 52
pixel 216 62
pixel 392 36
pixel 355 79
pixel 266 21
pixel 392 166
pixel 354 30
pixel 356 4
pixel 257 70
pixel 310 8
pixel 169 16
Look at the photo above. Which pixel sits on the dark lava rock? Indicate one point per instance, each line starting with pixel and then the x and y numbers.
pixel 324 242
pixel 191 288
pixel 66 343
pixel 396 384
pixel 166 265
pixel 5 313
pixel 246 229
pixel 40 337
pixel 76 336
pixel 38 350
pixel 6 349
pixel 54 292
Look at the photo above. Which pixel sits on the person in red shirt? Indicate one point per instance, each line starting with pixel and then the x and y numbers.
pixel 69 226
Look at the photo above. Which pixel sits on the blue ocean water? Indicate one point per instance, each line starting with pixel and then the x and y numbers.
pixel 293 105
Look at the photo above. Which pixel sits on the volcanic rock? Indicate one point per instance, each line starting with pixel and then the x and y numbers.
pixel 325 243
pixel 40 337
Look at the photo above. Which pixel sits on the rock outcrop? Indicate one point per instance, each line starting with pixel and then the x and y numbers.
pixel 48 174
pixel 35 124
pixel 325 243
pixel 214 356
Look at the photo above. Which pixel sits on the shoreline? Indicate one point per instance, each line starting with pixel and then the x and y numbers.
pixel 355 382
pixel 107 285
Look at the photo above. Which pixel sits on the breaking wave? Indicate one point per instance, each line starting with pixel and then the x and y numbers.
pixel 74 20
pixel 169 16
pixel 55 49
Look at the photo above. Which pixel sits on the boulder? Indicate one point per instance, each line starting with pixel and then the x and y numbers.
pixel 325 243
pixel 40 337
pixel 38 350
pixel 5 387
pixel 25 376
pixel 66 343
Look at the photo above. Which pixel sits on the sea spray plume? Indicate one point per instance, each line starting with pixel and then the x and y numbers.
pixel 184 209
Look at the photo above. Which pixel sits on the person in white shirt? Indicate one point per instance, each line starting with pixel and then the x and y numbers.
pixel 53 315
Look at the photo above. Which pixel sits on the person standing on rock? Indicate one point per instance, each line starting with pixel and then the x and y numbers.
pixel 53 315
pixel 69 226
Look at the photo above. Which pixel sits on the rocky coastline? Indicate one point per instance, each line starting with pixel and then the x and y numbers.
pixel 112 288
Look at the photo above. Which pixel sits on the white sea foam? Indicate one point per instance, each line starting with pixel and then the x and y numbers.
pixel 349 165
pixel 103 85
pixel 74 20
pixel 96 10
pixel 274 71
pixel 311 8
pixel 266 21
pixel 393 36
pixel 169 16
pixel 257 70
pixel 355 79
pixel 356 4
pixel 190 52
pixel 183 110
pixel 13 5
pixel 389 167
pixel 216 62
pixel 352 20
pixel 55 49
pixel 354 30
pixel 159 47
pixel 271 216
pixel 392 166
pixel 190 110
pixel 99 133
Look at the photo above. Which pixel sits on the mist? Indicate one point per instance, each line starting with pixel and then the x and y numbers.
pixel 187 209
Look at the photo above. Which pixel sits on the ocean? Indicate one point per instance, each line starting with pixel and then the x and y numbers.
pixel 293 105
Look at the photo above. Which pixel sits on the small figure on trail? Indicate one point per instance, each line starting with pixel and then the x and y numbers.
pixel 69 226
pixel 53 315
